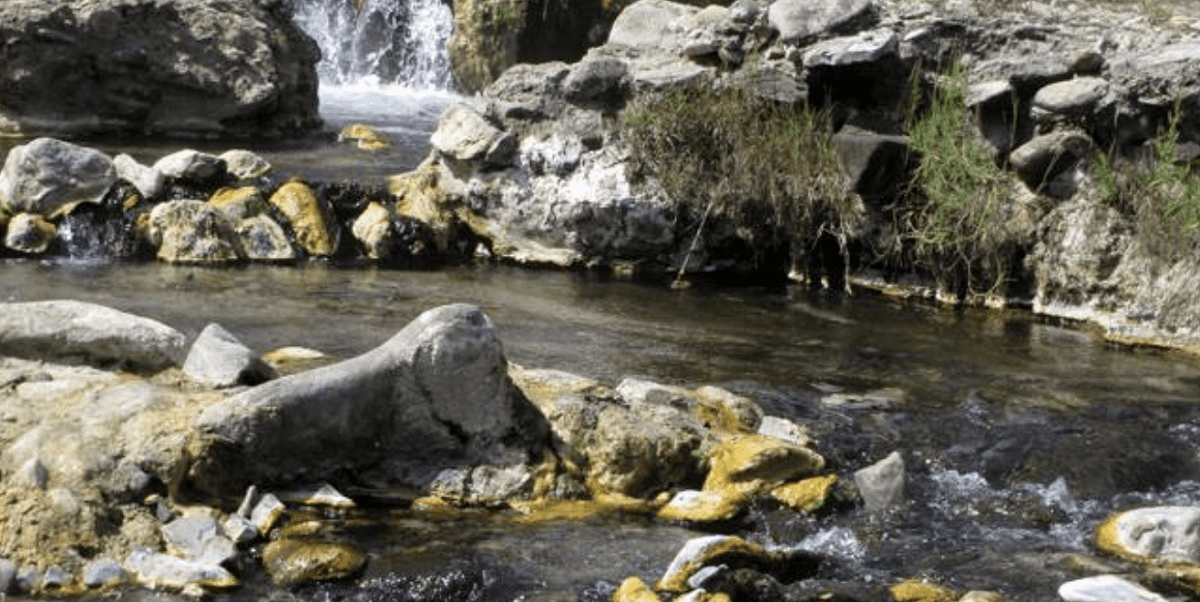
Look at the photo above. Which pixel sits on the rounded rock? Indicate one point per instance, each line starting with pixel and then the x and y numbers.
pixel 294 561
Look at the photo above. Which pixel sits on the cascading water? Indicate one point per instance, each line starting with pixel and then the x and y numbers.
pixel 382 42
pixel 384 62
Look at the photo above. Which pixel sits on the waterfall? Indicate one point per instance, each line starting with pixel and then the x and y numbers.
pixel 380 42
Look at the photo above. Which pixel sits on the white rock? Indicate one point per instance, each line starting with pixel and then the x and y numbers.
pixel 882 483
pixel 1106 588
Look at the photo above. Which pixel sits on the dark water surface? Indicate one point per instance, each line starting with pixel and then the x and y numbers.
pixel 1020 436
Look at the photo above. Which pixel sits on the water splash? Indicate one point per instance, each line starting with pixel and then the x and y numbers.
pixel 384 42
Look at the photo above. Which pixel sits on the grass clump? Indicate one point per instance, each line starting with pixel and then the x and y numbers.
pixel 767 167
pixel 961 221
pixel 1162 195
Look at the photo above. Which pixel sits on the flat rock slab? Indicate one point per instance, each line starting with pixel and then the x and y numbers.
pixel 80 332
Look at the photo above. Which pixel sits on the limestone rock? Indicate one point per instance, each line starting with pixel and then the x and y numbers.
pixel 920 591
pixel 1045 157
pixel 703 506
pixel 625 447
pixel 325 495
pixel 191 231
pixel 882 483
pixel 434 396
pixel 781 428
pixel 29 233
pixel 597 81
pixel 876 165
pixel 266 513
pixel 808 495
pixel 373 229
pixel 1073 97
pixel 310 218
pixel 103 572
pixel 8 576
pixel 262 239
pixel 484 485
pixel 237 204
pixel 65 330
pixel 148 180
pixel 464 134
pixel 47 176
pixel 293 561
pixel 1169 533
pixel 799 22
pixel 867 47
pixel 155 569
pixel 239 68
pixel 1106 588
pixel 245 165
pixel 364 137
pixel 217 359
pixel 198 538
pixel 191 166
pixel 634 589
pixel 735 552
pixel 652 24
pixel 748 463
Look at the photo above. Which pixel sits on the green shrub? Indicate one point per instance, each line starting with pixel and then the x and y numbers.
pixel 961 222
pixel 730 154
pixel 1162 196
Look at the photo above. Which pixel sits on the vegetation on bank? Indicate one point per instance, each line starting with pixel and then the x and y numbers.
pixel 730 154
pixel 1160 193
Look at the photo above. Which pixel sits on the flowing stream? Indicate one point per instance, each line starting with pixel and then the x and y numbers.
pixel 1020 435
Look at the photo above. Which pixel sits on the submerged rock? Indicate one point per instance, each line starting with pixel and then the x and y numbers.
pixel 73 330
pixel 434 396
pixel 48 176
pixel 294 561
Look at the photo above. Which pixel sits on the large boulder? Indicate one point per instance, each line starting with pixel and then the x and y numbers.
pixel 434 396
pixel 48 175
pixel 194 67
pixel 74 330
pixel 799 22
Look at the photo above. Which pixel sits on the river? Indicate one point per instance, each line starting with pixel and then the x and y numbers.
pixel 1020 434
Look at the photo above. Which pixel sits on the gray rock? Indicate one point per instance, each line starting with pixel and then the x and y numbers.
pixel 155 569
pixel 261 238
pixel 652 24
pixel 244 164
pixel 198 538
pixel 799 22
pixel 266 513
pixel 191 166
pixel 777 81
pixel 28 578
pixel 47 176
pixel 1072 97
pixel 434 396
pixel 56 577
pixel 1027 74
pixel 882 483
pixel 1045 157
pixel 876 165
pixel 464 134
pixel 240 68
pixel 1169 533
pixel 597 81
pixel 239 530
pixel 782 428
pixel 32 475
pixel 64 330
pixel 103 572
pixel 8 576
pixel 484 485
pixel 148 180
pixel 989 94
pixel 528 91
pixel 29 233
pixel 864 48
pixel 1106 588
pixel 217 359
pixel 193 232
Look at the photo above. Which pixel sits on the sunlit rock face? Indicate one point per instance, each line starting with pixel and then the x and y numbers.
pixel 188 67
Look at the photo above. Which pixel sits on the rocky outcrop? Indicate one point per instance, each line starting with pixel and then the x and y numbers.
pixel 72 330
pixel 436 395
pixel 238 68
